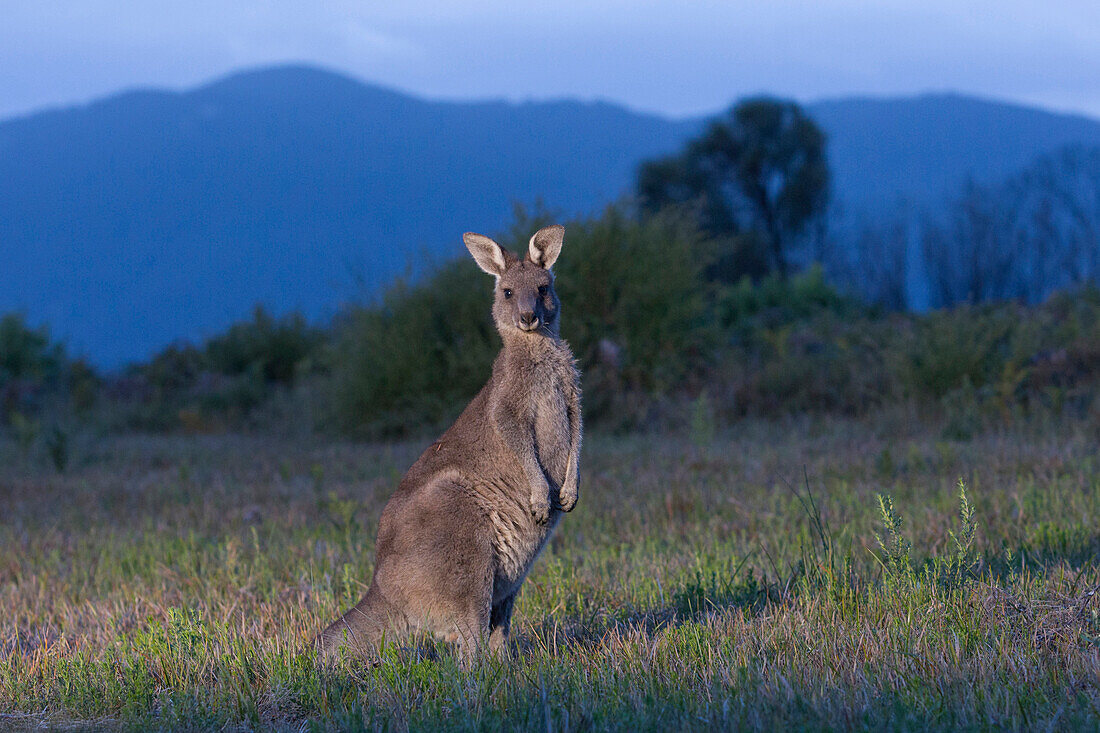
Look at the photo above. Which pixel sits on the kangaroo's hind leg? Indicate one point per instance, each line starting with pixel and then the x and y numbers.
pixel 442 567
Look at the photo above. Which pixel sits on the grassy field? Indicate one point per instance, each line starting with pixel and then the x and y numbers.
pixel 749 581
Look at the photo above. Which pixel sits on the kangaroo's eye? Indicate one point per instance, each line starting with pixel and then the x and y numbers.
pixel 542 290
pixel 507 292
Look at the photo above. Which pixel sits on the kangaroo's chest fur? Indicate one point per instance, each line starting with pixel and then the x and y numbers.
pixel 537 380
pixel 548 375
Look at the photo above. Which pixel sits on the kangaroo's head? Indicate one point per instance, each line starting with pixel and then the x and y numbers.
pixel 525 301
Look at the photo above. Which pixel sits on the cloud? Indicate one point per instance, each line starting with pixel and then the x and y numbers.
pixel 674 57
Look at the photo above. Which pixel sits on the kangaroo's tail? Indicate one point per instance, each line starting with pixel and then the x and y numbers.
pixel 360 630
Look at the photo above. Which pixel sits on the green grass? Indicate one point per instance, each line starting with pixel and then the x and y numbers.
pixel 749 581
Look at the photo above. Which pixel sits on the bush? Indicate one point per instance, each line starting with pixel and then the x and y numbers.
pixel 776 301
pixel 275 348
pixel 635 310
pixel 219 383
pixel 801 348
pixel 414 357
pixel 27 353
pixel 824 363
pixel 947 349
pixel 653 332
pixel 36 371
pixel 795 345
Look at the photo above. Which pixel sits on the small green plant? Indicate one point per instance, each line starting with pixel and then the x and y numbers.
pixel 317 474
pixel 895 548
pixel 170 648
pixel 342 514
pixel 939 572
pixel 962 562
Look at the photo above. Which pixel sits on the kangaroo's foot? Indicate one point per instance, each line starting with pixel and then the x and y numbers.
pixel 500 623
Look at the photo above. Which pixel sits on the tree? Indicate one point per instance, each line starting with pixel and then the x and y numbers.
pixel 760 170
pixel 27 353
pixel 880 267
pixel 1057 200
pixel 1037 232
pixel 969 258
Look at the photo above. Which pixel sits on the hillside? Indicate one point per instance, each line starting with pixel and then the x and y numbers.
pixel 152 216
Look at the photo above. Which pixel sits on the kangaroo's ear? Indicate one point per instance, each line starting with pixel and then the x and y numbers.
pixel 545 246
pixel 487 253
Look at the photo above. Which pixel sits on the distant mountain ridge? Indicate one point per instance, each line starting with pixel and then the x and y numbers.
pixel 918 149
pixel 152 216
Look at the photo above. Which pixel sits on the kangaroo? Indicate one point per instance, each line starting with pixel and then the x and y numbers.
pixel 468 520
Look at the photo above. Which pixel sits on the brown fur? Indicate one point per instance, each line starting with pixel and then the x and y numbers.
pixel 467 522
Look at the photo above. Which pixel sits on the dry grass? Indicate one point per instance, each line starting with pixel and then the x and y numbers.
pixel 171 582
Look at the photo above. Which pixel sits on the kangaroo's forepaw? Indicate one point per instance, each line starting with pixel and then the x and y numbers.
pixel 540 509
pixel 570 489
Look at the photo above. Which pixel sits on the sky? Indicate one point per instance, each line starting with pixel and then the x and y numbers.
pixel 674 58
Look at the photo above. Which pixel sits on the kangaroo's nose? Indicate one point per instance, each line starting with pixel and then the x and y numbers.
pixel 528 319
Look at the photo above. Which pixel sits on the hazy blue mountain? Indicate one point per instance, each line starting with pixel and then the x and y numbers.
pixel 153 216
pixel 921 148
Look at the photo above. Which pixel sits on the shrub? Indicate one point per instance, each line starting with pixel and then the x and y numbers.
pixel 775 301
pixel 821 364
pixel 797 345
pixel 35 370
pixel 275 348
pixel 222 381
pixel 636 310
pixel 659 339
pixel 28 353
pixel 415 356
pixel 948 349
